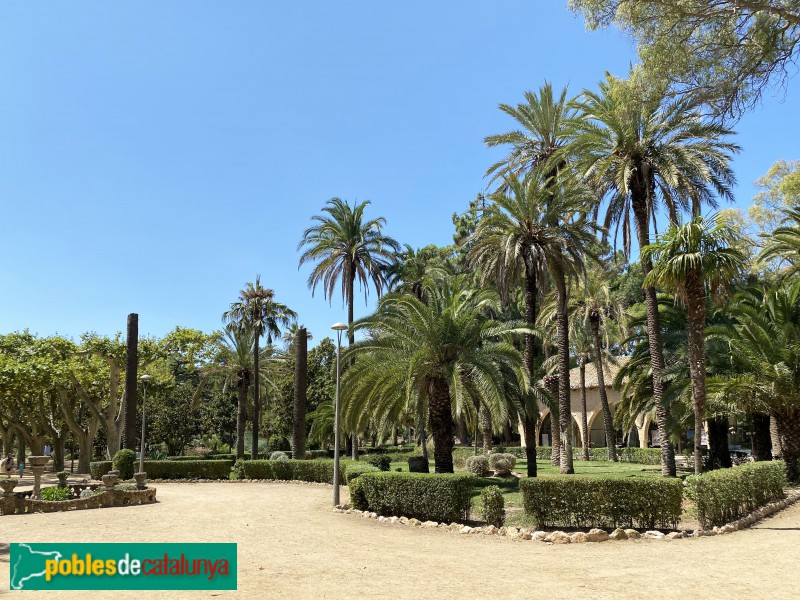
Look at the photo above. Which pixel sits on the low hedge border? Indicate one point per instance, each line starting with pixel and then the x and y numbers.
pixel 557 501
pixel 173 469
pixel 725 495
pixel 316 471
pixel 430 497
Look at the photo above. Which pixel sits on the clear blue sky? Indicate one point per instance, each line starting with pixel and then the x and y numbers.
pixel 156 155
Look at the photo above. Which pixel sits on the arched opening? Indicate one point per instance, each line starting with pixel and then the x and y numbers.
pixel 546 431
pixel 597 431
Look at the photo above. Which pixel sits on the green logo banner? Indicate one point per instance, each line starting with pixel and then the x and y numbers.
pixel 123 566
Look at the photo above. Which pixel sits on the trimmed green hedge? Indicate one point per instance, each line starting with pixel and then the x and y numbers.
pixel 725 495
pixel 173 469
pixel 642 456
pixel 558 501
pixel 355 469
pixel 428 497
pixel 320 471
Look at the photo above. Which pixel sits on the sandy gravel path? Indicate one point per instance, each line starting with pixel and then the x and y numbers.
pixel 291 545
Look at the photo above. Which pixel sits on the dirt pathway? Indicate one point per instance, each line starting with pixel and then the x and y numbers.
pixel 291 545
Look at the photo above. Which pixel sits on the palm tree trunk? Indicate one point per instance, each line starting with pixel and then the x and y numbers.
pixel 564 408
pixel 130 435
pixel 788 424
pixel 300 394
pixel 640 208
pixel 441 421
pixel 551 382
pixel 256 399
pixel 530 407
pixel 762 444
pixel 695 329
pixel 608 420
pixel 486 430
pixel 584 420
pixel 241 417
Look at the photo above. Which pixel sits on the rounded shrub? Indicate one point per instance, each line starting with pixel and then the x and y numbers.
pixel 494 505
pixel 502 464
pixel 278 456
pixel 123 462
pixel 87 493
pixel 380 461
pixel 478 465
pixel 56 493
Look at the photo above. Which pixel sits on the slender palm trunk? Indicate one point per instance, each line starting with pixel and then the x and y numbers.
pixel 441 420
pixel 256 399
pixel 530 415
pixel 241 416
pixel 300 394
pixel 584 420
pixel 696 325
pixel 129 434
pixel 564 408
pixel 486 430
pixel 640 211
pixel 551 382
pixel 608 420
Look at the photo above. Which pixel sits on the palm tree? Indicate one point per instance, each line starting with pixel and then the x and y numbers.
pixel 258 311
pixel 445 353
pixel 235 360
pixel 346 248
pixel 538 226
pixel 642 151
pixel 784 243
pixel 693 261
pixel 765 345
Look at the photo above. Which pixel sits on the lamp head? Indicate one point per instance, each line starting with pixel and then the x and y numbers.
pixel 145 378
pixel 339 327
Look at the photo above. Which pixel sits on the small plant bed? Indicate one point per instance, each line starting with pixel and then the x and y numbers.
pixel 59 499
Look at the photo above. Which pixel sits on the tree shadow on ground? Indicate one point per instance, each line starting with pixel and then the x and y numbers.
pixel 4 552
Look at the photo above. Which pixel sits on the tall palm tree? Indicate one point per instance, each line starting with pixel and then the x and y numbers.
pixel 345 247
pixel 693 261
pixel 642 151
pixel 235 361
pixel 538 226
pixel 258 311
pixel 445 352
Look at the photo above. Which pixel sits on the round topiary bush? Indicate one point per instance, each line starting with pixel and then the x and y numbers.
pixel 278 455
pixel 478 465
pixel 123 462
pixel 493 505
pixel 502 464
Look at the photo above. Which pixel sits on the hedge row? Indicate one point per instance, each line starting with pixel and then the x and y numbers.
pixel 557 501
pixel 725 495
pixel 319 471
pixel 428 497
pixel 642 456
pixel 171 469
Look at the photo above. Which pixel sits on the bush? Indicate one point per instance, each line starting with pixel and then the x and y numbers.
pixel 642 456
pixel 478 465
pixel 502 464
pixel 124 462
pixel 355 469
pixel 99 468
pixel 725 495
pixel 278 455
pixel 382 462
pixel 558 501
pixel 88 493
pixel 515 451
pixel 170 469
pixel 437 497
pixel 125 487
pixel 57 493
pixel 320 471
pixel 494 511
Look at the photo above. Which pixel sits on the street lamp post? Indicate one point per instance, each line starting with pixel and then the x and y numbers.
pixel 145 379
pixel 338 328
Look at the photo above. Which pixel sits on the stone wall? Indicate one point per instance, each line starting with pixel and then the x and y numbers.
pixel 21 504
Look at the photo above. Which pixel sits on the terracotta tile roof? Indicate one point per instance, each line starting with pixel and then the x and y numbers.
pixel 609 372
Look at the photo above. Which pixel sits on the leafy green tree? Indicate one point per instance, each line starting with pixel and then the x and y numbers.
pixel 446 352
pixel 783 245
pixel 724 52
pixel 643 152
pixel 694 261
pixel 780 191
pixel 258 311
